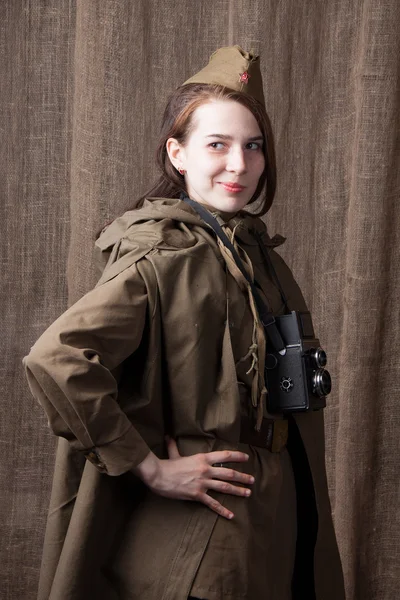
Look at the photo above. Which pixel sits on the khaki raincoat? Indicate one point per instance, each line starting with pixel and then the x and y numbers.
pixel 157 347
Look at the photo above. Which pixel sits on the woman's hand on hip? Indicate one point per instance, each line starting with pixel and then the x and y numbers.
pixel 190 477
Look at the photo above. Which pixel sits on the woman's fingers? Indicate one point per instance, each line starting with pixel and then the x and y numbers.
pixel 215 505
pixel 231 475
pixel 227 488
pixel 172 448
pixel 219 471
pixel 189 478
pixel 223 456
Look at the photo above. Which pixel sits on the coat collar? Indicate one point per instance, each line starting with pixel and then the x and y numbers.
pixel 246 225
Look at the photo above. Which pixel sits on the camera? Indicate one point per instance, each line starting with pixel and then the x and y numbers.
pixel 296 381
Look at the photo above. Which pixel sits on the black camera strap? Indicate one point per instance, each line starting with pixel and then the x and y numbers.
pixel 271 268
pixel 266 316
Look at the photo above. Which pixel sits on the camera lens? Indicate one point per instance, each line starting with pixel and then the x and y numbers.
pixel 322 382
pixel 319 356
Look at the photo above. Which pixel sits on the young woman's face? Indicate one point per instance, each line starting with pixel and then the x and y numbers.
pixel 222 158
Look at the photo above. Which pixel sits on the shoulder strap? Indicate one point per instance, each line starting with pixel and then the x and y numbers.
pixel 267 318
pixel 271 267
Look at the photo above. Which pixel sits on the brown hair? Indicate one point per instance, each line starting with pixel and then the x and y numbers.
pixel 178 123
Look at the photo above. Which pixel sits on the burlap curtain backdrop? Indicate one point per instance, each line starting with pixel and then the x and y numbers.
pixel 83 85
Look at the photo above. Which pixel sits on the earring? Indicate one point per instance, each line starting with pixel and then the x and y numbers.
pixel 181 171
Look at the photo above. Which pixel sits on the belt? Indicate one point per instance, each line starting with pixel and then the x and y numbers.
pixel 273 434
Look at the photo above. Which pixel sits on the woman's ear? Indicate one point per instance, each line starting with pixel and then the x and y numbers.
pixel 176 153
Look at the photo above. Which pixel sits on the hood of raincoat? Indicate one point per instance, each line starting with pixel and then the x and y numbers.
pixel 169 221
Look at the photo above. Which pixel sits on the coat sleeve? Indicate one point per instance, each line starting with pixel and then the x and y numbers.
pixel 69 371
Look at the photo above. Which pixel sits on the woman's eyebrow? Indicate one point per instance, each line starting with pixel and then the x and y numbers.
pixel 229 137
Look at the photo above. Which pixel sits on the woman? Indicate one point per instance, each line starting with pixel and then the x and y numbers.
pixel 156 378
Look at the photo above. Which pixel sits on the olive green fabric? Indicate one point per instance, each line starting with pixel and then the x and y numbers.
pixel 84 84
pixel 234 68
pixel 133 360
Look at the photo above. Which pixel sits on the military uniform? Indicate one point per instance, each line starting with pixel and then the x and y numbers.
pixel 161 346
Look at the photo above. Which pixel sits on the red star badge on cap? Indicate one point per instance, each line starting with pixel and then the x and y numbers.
pixel 244 78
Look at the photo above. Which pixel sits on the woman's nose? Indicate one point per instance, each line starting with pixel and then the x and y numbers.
pixel 236 161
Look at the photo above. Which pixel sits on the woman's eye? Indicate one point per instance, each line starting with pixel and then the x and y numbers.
pixel 215 144
pixel 249 146
pixel 254 146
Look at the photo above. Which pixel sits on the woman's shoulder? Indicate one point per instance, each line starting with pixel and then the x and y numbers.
pixel 253 231
pixel 153 216
pixel 163 223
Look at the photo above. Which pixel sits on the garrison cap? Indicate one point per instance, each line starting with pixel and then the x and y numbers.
pixel 233 68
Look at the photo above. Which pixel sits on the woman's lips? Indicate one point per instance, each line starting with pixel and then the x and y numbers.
pixel 232 187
